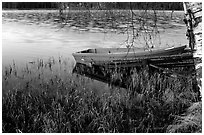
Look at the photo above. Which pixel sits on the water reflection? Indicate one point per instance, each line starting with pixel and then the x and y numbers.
pixel 24 43
pixel 111 75
pixel 97 74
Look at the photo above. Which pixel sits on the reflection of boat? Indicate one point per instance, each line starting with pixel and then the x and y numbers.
pixel 100 56
pixel 102 74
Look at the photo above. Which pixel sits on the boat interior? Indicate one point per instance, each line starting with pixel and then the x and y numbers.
pixel 112 50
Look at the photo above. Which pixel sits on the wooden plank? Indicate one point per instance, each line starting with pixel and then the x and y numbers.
pixel 181 56
pixel 184 59
pixel 175 64
pixel 168 71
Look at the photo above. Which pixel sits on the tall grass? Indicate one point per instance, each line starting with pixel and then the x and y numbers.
pixel 41 98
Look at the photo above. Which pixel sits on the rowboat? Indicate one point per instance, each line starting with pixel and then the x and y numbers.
pixel 115 65
pixel 100 56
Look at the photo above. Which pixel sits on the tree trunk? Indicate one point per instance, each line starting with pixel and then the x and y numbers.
pixel 193 11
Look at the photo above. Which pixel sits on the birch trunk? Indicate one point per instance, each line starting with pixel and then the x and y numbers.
pixel 193 12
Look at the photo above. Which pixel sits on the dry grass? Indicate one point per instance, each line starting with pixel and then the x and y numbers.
pixel 189 122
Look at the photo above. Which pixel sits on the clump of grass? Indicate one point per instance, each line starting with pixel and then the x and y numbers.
pixel 43 99
pixel 189 122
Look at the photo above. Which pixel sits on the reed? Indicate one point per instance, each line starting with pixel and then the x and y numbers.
pixel 44 97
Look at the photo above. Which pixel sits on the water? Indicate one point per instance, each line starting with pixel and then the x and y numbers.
pixel 24 43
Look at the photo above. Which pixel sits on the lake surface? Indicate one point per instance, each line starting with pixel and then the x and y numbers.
pixel 24 42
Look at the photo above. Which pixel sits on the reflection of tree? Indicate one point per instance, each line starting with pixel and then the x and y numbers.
pixel 95 5
pixel 29 5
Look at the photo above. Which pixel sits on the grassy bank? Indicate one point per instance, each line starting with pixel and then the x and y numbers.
pixel 45 97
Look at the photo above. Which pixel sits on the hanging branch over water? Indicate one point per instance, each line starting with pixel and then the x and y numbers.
pixel 140 26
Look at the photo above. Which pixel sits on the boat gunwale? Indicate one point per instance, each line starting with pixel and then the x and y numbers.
pixel 130 53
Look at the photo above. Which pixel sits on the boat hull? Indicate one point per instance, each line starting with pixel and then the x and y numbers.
pixel 107 55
